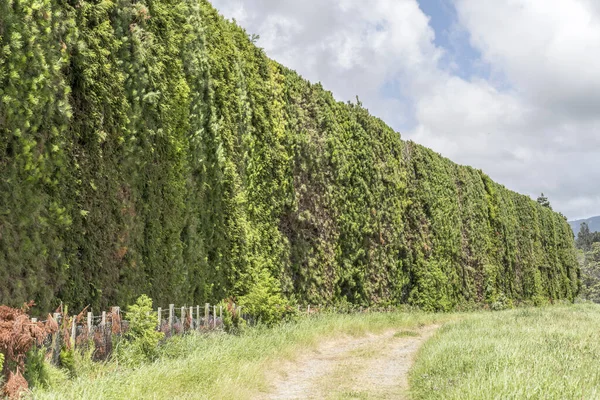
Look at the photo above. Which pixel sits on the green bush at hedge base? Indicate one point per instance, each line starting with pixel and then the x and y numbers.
pixel 150 147
pixel 264 301
pixel 142 338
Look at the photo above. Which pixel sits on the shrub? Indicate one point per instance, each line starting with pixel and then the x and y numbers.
pixel 501 302
pixel 142 338
pixel 83 360
pixel 264 301
pixel 232 321
pixel 36 369
pixel 67 360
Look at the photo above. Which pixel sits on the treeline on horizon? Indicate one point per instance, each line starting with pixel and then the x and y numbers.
pixel 588 255
pixel 150 147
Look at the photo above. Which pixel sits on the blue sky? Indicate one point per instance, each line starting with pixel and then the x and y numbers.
pixel 510 87
pixel 450 36
pixel 460 57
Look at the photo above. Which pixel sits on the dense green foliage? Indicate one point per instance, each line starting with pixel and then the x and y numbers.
pixel 142 339
pixel 586 238
pixel 264 301
pixel 36 368
pixel 588 244
pixel 590 273
pixel 150 147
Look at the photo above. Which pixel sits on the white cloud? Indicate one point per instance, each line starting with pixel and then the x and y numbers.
pixel 540 134
pixel 352 46
pixel 546 48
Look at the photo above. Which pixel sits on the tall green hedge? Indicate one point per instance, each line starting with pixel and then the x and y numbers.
pixel 150 147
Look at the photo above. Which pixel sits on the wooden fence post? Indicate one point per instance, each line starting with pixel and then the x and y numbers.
pixel 159 314
pixel 73 332
pixel 221 314
pixel 206 314
pixel 89 322
pixel 171 317
pixel 103 319
pixel 198 317
pixel 308 309
pixel 182 319
pixel 191 318
pixel 56 341
pixel 118 312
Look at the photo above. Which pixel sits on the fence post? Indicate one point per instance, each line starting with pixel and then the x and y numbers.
pixel 73 331
pixel 191 318
pixel 117 310
pixel 206 314
pixel 198 317
pixel 221 314
pixel 89 322
pixel 103 325
pixel 171 317
pixel 308 309
pixel 182 319
pixel 56 341
pixel 159 312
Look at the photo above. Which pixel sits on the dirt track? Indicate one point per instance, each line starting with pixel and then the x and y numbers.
pixel 371 367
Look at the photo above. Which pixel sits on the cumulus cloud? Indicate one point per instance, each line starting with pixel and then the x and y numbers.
pixel 545 49
pixel 533 127
pixel 352 47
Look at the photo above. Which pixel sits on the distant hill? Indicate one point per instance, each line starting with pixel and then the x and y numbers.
pixel 593 223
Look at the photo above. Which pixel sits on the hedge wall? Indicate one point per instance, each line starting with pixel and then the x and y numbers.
pixel 150 147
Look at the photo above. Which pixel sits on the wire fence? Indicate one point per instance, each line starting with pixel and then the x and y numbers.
pixel 100 332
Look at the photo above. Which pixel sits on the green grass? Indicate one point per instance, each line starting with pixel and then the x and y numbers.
pixel 222 366
pixel 543 353
pixel 528 353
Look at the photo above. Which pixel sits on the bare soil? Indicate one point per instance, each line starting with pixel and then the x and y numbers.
pixel 371 367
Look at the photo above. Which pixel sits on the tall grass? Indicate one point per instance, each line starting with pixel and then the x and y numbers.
pixel 222 366
pixel 541 353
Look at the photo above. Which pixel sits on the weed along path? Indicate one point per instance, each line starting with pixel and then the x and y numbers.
pixel 370 367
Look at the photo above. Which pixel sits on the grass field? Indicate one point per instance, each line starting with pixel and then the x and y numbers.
pixel 222 366
pixel 528 353
pixel 532 353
